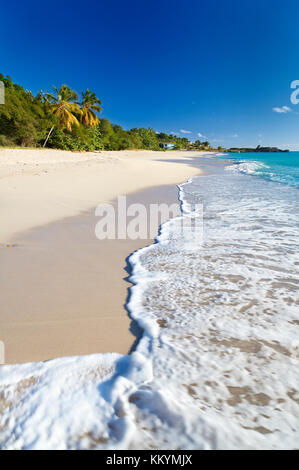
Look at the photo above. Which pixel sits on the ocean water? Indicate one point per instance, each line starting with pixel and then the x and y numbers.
pixel 280 167
pixel 218 364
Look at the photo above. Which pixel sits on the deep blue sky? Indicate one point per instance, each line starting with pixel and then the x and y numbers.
pixel 214 67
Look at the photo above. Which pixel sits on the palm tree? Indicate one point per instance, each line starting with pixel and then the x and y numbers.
pixel 64 107
pixel 90 104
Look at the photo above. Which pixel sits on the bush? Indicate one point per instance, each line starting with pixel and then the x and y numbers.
pixel 5 141
pixel 25 120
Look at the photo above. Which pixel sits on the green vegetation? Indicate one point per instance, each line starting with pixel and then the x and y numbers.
pixel 60 121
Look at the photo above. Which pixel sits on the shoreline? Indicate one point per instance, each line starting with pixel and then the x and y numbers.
pixel 191 351
pixel 85 307
pixel 73 322
pixel 38 187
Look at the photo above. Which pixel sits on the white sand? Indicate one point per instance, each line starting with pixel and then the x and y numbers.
pixel 63 291
pixel 41 186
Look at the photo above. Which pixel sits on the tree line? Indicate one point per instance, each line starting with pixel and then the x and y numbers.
pixel 62 120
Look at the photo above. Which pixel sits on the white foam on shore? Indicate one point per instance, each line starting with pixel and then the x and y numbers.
pixel 247 167
pixel 217 366
pixel 258 168
pixel 227 353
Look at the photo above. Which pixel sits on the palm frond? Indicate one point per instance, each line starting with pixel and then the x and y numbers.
pixel 64 107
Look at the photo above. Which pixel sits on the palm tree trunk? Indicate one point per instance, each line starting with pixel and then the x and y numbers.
pixel 48 136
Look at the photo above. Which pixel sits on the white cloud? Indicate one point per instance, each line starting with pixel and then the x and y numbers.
pixel 235 135
pixel 283 109
pixel 200 135
pixel 183 131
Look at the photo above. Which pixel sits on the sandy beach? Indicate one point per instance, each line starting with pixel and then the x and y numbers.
pixel 215 350
pixel 149 235
pixel 63 290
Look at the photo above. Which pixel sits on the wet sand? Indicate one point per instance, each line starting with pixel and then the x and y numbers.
pixel 63 291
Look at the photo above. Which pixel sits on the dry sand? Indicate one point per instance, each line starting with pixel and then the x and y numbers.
pixel 41 186
pixel 63 292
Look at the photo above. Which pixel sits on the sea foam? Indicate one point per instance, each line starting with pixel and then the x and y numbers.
pixel 217 366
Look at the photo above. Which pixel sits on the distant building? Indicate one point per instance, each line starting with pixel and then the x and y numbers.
pixel 168 145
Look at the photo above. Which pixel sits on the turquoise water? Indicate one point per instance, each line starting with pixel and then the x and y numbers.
pixel 279 167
